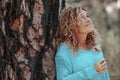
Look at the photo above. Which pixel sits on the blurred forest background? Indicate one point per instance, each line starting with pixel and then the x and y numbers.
pixel 27 36
pixel 106 17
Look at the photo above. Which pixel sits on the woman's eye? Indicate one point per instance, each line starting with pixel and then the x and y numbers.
pixel 84 9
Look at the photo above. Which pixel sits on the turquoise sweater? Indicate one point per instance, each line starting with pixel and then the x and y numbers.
pixel 79 66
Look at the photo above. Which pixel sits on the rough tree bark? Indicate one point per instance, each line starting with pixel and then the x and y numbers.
pixel 27 38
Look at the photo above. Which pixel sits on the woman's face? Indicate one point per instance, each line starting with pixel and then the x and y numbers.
pixel 85 24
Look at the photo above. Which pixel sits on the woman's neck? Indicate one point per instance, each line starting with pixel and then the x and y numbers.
pixel 82 41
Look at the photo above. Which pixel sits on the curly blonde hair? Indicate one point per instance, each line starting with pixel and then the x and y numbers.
pixel 68 20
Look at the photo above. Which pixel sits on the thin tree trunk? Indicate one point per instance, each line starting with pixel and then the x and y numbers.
pixel 27 38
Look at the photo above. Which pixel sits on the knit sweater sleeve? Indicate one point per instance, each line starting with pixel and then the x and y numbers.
pixel 106 75
pixel 64 70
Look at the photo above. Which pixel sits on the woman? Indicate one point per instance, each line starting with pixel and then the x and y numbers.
pixel 79 56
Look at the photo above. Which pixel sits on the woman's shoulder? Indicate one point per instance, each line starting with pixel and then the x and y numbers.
pixel 62 50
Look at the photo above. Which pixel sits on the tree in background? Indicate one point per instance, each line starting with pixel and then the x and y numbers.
pixel 27 38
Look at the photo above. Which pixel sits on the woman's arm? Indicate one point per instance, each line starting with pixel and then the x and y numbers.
pixel 64 70
pixel 104 72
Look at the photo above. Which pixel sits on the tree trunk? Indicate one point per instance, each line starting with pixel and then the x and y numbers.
pixel 27 38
